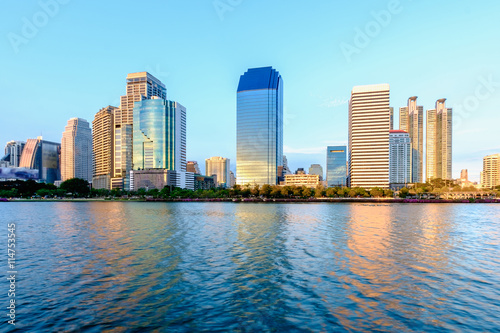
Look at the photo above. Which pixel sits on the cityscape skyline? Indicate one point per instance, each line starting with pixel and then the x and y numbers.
pixel 322 78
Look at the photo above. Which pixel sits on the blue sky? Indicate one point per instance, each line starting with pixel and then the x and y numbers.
pixel 64 58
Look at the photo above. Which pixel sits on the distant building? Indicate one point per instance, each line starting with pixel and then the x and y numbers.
pixel 204 182
pixel 286 169
pixel 316 169
pixel 159 178
pixel 464 175
pixel 13 152
pixel 411 120
pixel 76 150
pixel 490 177
pixel 336 166
pixel 102 146
pixel 232 179
pixel 300 171
pixel 43 156
pixel 399 158
pixel 302 180
pixel 259 127
pixel 439 142
pixel 192 166
pixel 218 166
pixel 369 123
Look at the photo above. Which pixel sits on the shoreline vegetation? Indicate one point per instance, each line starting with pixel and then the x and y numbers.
pixel 74 190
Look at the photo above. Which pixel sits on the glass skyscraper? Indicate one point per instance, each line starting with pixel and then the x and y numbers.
pixel 336 166
pixel 259 127
pixel 159 135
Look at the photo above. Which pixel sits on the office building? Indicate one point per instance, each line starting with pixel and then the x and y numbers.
pixel 439 142
pixel 43 156
pixel 316 169
pixel 159 135
pixel 218 166
pixel 490 177
pixel 13 152
pixel 76 150
pixel 140 86
pixel 232 179
pixel 369 122
pixel 192 166
pixel 204 182
pixel 399 158
pixel 259 129
pixel 300 171
pixel 411 120
pixel 159 178
pixel 302 180
pixel 102 146
pixel 336 166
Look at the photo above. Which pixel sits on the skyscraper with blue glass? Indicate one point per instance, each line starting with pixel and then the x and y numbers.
pixel 336 166
pixel 259 127
pixel 159 135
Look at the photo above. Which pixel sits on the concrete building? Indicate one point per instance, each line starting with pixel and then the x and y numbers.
pixel 13 152
pixel 490 177
pixel 232 179
pixel 259 127
pixel 102 146
pixel 140 86
pixel 43 156
pixel 399 158
pixel 218 166
pixel 336 166
pixel 369 123
pixel 302 180
pixel 204 182
pixel 439 142
pixel 76 150
pixel 316 169
pixel 411 120
pixel 159 178
pixel 192 166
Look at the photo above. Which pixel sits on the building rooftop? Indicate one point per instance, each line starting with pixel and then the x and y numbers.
pixel 259 78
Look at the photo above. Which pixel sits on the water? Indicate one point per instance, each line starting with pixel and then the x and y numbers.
pixel 190 267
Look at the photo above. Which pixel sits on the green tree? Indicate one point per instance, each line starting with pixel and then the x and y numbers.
pixel 377 192
pixel 297 191
pixel 286 191
pixel 352 193
pixel 265 190
pixel 388 193
pixel 77 186
pixel 255 191
pixel 275 191
pixel 403 193
pixel 331 192
pixel 307 192
pixel 320 191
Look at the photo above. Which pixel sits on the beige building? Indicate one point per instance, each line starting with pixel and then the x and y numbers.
pixel 302 180
pixel 369 123
pixel 102 145
pixel 219 166
pixel 76 150
pixel 490 177
pixel 411 120
pixel 439 142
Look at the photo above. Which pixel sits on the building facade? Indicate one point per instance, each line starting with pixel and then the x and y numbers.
pixel 259 127
pixel 490 177
pixel 369 123
pixel 316 169
pixel 192 166
pixel 302 180
pixel 399 158
pixel 76 150
pixel 159 135
pixel 336 166
pixel 159 178
pixel 43 156
pixel 13 152
pixel 219 166
pixel 411 119
pixel 140 86
pixel 102 146
pixel 439 142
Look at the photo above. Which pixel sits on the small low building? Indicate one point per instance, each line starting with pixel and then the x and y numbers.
pixel 159 178
pixel 302 180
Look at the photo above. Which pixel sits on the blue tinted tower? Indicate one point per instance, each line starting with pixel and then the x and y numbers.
pixel 259 127
pixel 336 166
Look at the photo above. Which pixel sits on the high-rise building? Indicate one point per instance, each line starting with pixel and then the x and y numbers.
pixel 391 123
pixel 439 142
pixel 43 156
pixel 286 169
pixel 259 127
pixel 192 166
pixel 76 150
pixel 464 175
pixel 316 169
pixel 369 122
pixel 219 166
pixel 102 146
pixel 13 152
pixel 336 166
pixel 490 177
pixel 159 135
pixel 232 179
pixel 140 86
pixel 411 120
pixel 399 157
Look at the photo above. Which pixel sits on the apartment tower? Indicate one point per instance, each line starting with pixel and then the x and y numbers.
pixel 102 146
pixel 411 120
pixel 76 150
pixel 439 142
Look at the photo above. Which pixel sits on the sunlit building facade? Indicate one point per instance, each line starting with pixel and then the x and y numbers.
pixel 336 166
pixel 102 146
pixel 219 166
pixel 192 166
pixel 76 150
pixel 316 169
pixel 259 127
pixel 411 120
pixel 43 156
pixel 159 135
pixel 399 157
pixel 302 180
pixel 369 123
pixel 439 142
pixel 490 177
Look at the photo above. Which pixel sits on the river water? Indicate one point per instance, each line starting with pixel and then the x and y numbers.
pixel 247 267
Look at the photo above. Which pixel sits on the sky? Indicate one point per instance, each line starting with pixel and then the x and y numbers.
pixel 61 59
